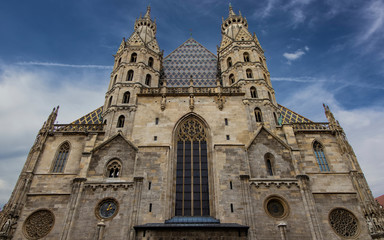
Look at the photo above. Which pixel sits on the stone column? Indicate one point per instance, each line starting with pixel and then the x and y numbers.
pixel 283 230
pixel 100 230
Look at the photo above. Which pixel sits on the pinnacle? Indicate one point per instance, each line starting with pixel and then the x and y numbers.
pixel 231 12
pixel 148 13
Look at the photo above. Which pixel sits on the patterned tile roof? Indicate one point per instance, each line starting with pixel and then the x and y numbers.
pixel 91 118
pixel 289 116
pixel 190 58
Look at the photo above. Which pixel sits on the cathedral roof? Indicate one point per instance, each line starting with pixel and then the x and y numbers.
pixel 288 116
pixel 190 59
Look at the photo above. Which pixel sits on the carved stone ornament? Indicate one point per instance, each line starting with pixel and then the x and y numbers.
pixel 39 224
pixel 344 223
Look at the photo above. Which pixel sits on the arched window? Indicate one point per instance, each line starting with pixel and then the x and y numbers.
pixel 269 96
pixel 276 121
pixel 130 75
pixel 192 192
pixel 133 57
pixel 126 97
pixel 110 101
pixel 229 62
pixel 258 115
pixel 119 62
pixel 114 80
pixel 269 160
pixel 265 77
pixel 113 169
pixel 105 122
pixel 253 92
pixel 148 79
pixel 120 121
pixel 231 79
pixel 249 73
pixel 321 160
pixel 261 61
pixel 61 158
pixel 246 57
pixel 150 62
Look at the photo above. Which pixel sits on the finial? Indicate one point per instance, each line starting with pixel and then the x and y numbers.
pixel 239 13
pixel 231 12
pixel 148 13
pixel 222 19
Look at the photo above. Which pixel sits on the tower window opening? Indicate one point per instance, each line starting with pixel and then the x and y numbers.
pixel 61 158
pixel 105 122
pixel 269 158
pixel 231 79
pixel 229 62
pixel 261 61
pixel 150 62
pixel 253 92
pixel 148 79
pixel 249 73
pixel 269 96
pixel 155 138
pixel 130 75
pixel 120 121
pixel 246 56
pixel 258 115
pixel 226 121
pixel 157 121
pixel 276 122
pixel 265 77
pixel 110 101
pixel 119 62
pixel 133 57
pixel 126 97
pixel 228 138
pixel 230 185
pixel 150 207
pixel 149 185
pixel 114 80
pixel 113 169
pixel 231 207
pixel 321 160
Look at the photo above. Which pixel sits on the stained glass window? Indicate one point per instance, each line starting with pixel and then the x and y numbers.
pixel 61 158
pixel 321 160
pixel 192 193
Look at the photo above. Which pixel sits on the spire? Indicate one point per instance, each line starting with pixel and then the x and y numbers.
pixel 148 13
pixel 231 12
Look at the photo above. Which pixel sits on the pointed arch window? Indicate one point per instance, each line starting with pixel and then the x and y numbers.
pixel 246 57
pixel 229 62
pixel 120 121
pixel 119 62
pixel 253 92
pixel 61 158
pixel 261 61
pixel 265 77
pixel 192 192
pixel 148 79
pixel 269 96
pixel 133 57
pixel 114 79
pixel 269 160
pixel 258 115
pixel 126 97
pixel 276 121
pixel 130 75
pixel 321 160
pixel 249 73
pixel 110 101
pixel 113 169
pixel 150 62
pixel 231 79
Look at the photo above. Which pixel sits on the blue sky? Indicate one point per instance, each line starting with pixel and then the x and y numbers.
pixel 60 53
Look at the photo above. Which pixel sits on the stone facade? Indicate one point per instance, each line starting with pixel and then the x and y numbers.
pixel 203 158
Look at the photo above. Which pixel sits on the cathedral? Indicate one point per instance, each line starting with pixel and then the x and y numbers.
pixel 192 145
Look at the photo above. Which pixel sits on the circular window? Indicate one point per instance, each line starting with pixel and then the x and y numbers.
pixel 39 224
pixel 344 223
pixel 107 208
pixel 276 207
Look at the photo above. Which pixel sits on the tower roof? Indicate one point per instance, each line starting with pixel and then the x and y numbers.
pixel 190 59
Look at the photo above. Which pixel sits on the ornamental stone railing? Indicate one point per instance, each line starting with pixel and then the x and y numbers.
pixel 78 128
pixel 199 91
pixel 318 126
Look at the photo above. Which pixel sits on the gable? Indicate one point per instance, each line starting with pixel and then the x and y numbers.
pixel 135 40
pixel 225 42
pixel 190 59
pixel 243 35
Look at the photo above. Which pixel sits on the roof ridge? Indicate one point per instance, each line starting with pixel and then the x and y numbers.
pixel 190 38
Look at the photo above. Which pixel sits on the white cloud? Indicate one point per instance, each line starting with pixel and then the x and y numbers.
pixel 27 96
pixel 296 55
pixel 361 126
pixel 51 64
